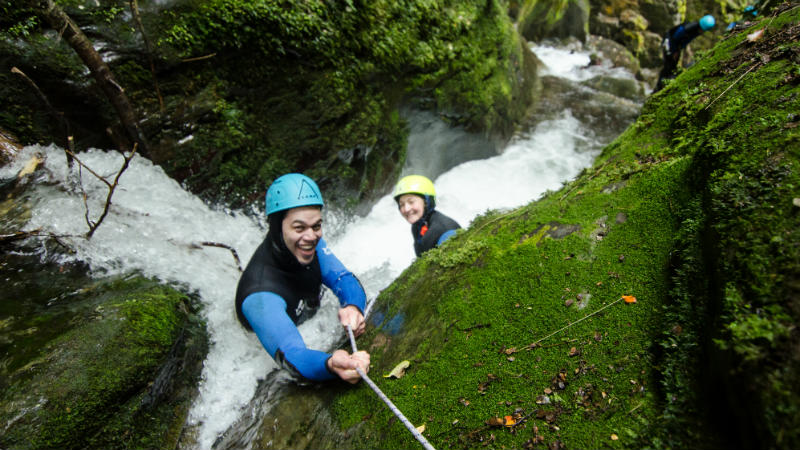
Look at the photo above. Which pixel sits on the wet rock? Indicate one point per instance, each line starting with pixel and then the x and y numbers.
pixel 109 363
pixel 618 87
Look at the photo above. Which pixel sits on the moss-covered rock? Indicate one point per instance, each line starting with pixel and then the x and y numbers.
pixel 108 364
pixel 517 330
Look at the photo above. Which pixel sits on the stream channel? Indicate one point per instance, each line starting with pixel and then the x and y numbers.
pixel 156 227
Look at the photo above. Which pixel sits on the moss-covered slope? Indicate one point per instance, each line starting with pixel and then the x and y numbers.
pixel 516 329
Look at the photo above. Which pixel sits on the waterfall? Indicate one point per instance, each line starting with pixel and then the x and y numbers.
pixel 157 228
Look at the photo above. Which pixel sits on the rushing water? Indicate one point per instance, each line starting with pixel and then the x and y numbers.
pixel 157 228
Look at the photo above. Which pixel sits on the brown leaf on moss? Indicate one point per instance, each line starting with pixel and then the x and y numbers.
pixel 569 303
pixel 574 351
pixel 494 422
pixel 485 385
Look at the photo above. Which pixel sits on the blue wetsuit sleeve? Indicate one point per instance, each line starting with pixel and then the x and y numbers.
pixel 445 236
pixel 341 281
pixel 266 313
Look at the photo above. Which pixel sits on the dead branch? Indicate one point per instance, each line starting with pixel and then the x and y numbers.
pixel 199 58
pixel 18 235
pixel 111 187
pixel 137 18
pixel 69 143
pixel 228 247
pixel 57 19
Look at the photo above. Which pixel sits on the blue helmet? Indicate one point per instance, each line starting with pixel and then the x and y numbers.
pixel 291 191
pixel 707 22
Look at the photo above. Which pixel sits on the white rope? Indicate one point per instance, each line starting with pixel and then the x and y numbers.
pixel 386 400
pixel 577 321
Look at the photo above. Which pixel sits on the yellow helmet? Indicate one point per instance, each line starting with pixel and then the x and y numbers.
pixel 414 184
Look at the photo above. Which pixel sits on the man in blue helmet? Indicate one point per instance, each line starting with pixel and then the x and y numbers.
pixel 281 286
pixel 676 39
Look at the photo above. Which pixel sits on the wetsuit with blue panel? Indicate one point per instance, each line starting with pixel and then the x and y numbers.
pixel 432 230
pixel 276 293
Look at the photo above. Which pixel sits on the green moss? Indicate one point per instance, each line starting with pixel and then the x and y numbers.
pixel 94 385
pixel 690 211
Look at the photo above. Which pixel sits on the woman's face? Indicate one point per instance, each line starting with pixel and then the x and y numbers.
pixel 411 206
pixel 302 229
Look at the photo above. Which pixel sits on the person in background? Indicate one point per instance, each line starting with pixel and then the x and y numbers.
pixel 281 286
pixel 676 39
pixel 416 200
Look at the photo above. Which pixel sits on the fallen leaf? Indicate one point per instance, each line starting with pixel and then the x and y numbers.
pixel 569 302
pixel 510 351
pixel 495 422
pixel 614 437
pixel 597 336
pixel 574 352
pixel 629 298
pixel 421 428
pixel 399 370
pixel 509 421
pixel 454 422
pixel 754 36
pixel 548 391
pixel 464 401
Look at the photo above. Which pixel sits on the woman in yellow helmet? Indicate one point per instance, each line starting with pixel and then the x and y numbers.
pixel 416 200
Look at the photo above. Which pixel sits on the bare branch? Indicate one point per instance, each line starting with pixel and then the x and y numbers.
pixel 199 58
pixel 111 189
pixel 57 19
pixel 228 247
pixel 59 116
pixel 137 18
pixel 18 235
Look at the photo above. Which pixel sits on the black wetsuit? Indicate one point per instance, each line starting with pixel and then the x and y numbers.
pixel 677 38
pixel 431 230
pixel 272 269
pixel 276 293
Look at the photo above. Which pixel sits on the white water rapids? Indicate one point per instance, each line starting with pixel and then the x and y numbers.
pixel 155 227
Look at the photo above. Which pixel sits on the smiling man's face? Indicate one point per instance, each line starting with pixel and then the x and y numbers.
pixel 302 230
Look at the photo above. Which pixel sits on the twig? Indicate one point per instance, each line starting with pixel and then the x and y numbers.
pixel 111 191
pixel 59 116
pixel 732 84
pixel 199 58
pixel 229 248
pixel 137 18
pixel 18 235
pixel 111 187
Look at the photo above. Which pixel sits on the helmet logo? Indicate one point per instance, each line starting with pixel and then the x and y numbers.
pixel 306 191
